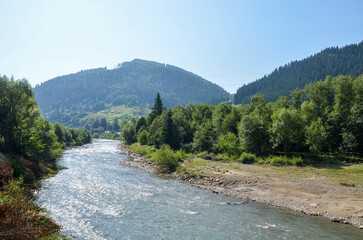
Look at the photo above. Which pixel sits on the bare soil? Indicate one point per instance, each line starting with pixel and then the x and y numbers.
pixel 311 191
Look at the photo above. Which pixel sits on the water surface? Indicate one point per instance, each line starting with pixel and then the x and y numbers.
pixel 98 198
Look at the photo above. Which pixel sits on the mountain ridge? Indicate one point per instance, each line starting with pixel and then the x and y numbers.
pixel 333 61
pixel 132 84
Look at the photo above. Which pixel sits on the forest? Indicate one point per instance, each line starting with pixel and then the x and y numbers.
pixel 69 99
pixel 332 61
pixel 322 121
pixel 29 148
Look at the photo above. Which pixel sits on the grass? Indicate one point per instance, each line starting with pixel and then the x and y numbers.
pixel 121 112
pixel 142 150
pixel 346 170
pixel 198 163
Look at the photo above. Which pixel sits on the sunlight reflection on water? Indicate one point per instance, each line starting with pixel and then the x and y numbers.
pixel 97 198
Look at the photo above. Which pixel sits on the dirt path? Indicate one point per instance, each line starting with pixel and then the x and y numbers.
pixel 304 190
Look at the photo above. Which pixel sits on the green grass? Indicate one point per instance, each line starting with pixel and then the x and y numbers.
pixel 142 150
pixel 121 112
pixel 198 163
pixel 346 170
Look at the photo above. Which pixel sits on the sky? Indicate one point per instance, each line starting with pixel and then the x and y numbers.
pixel 230 43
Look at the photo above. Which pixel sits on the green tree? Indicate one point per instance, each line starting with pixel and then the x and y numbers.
pixel 204 137
pixel 228 144
pixel 157 109
pixel 115 125
pixel 287 129
pixel 128 133
pixel 103 123
pixel 316 136
pixel 143 138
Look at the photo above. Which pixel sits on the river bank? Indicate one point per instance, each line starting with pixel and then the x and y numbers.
pixel 311 191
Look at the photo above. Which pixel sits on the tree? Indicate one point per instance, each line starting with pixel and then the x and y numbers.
pixel 296 98
pixel 143 138
pixel 169 131
pixel 287 129
pixel 253 133
pixel 18 112
pixel 128 133
pixel 316 136
pixel 141 124
pixel 115 125
pixel 204 137
pixel 103 123
pixel 156 136
pixel 157 109
pixel 228 144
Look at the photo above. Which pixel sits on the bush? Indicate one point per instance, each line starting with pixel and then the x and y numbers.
pixel 19 168
pixel 298 161
pixel 166 160
pixel 278 161
pixel 142 150
pixel 247 158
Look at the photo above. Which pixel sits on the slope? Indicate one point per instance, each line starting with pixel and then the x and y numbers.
pixel 69 98
pixel 332 61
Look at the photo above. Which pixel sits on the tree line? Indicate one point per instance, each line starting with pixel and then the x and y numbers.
pixel 68 99
pixel 22 129
pixel 324 117
pixel 29 147
pixel 332 61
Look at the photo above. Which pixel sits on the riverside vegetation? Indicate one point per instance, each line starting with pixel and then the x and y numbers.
pixel 302 153
pixel 320 124
pixel 29 148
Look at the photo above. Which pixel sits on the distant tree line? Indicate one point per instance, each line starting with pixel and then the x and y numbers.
pixel 324 117
pixel 332 61
pixel 68 99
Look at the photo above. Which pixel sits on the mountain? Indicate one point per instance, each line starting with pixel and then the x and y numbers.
pixel 332 61
pixel 70 98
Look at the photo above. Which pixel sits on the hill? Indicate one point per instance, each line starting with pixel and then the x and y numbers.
pixel 69 99
pixel 332 61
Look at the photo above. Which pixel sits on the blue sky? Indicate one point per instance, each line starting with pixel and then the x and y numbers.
pixel 227 42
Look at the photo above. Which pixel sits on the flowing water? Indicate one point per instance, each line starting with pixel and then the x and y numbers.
pixel 98 198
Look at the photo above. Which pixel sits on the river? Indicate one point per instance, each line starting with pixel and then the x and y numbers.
pixel 98 198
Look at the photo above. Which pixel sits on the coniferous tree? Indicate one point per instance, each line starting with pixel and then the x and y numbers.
pixel 157 109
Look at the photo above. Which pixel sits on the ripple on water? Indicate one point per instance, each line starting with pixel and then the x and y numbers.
pixel 97 198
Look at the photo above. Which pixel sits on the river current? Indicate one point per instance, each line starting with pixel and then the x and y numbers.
pixel 98 198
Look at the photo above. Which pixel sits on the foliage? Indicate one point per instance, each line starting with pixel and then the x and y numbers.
pixel 32 145
pixel 332 61
pixel 229 145
pixel 166 160
pixel 142 149
pixel 70 98
pixel 330 111
pixel 247 158
pixel 20 218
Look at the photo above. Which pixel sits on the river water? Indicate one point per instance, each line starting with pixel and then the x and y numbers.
pixel 98 198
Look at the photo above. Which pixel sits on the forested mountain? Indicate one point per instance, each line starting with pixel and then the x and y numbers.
pixel 69 98
pixel 332 61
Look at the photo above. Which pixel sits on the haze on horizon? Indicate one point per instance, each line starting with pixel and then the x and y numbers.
pixel 230 43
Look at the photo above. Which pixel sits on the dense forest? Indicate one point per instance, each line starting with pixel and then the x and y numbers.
pixel 29 147
pixel 332 61
pixel 68 99
pixel 329 121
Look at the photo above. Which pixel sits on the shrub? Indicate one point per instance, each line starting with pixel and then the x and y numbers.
pixel 247 158
pixel 142 150
pixel 166 160
pixel 298 161
pixel 278 161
